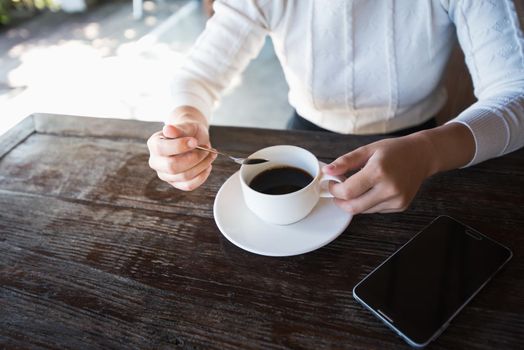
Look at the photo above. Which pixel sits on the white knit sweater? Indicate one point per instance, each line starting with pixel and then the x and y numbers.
pixel 371 66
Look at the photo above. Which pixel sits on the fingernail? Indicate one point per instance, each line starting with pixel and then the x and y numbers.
pixel 192 143
pixel 329 167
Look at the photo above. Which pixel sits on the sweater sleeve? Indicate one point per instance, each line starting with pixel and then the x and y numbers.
pixel 491 36
pixel 233 36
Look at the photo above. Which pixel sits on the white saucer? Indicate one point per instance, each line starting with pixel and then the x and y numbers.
pixel 244 229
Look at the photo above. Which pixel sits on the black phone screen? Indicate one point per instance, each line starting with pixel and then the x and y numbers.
pixel 427 281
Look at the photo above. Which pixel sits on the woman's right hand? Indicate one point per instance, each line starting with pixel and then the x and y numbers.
pixel 174 157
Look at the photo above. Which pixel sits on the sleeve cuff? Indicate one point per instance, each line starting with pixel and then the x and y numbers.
pixel 188 92
pixel 489 132
pixel 192 100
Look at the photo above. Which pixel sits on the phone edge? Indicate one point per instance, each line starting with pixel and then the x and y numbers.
pixel 404 337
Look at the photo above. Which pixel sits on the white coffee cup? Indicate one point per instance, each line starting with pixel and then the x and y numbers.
pixel 285 209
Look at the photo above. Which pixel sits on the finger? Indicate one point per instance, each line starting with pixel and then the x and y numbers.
pixel 193 183
pixel 358 205
pixel 383 207
pixel 181 130
pixel 347 162
pixel 178 163
pixel 393 204
pixel 354 186
pixel 190 173
pixel 170 147
pixel 156 135
pixel 159 145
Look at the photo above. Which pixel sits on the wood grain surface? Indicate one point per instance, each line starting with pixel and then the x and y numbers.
pixel 97 252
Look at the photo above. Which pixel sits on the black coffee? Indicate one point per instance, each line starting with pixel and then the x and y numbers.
pixel 280 180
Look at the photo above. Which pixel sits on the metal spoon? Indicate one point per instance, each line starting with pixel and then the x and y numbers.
pixel 238 160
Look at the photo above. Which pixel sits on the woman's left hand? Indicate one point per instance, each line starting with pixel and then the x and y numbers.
pixel 389 174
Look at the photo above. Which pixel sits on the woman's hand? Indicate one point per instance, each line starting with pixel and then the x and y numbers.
pixel 173 155
pixel 390 172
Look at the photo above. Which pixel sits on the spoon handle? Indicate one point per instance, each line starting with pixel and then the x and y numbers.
pixel 211 150
pixel 234 159
pixel 202 148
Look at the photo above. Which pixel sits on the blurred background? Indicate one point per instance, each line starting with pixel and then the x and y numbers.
pixel 116 59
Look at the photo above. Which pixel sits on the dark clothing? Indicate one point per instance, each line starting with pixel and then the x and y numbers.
pixel 296 122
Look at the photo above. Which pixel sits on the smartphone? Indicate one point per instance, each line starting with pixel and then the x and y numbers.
pixel 420 288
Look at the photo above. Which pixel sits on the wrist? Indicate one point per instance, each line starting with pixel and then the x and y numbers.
pixel 450 146
pixel 428 159
pixel 187 114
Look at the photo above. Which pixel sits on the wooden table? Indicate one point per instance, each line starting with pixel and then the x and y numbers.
pixel 97 252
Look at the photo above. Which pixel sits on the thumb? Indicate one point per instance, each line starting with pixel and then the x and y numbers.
pixel 349 161
pixel 172 132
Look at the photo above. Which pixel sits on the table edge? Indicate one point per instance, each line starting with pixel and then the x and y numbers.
pixel 16 135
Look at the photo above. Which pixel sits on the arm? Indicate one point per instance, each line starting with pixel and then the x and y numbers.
pixel 233 36
pixel 393 170
pixel 491 36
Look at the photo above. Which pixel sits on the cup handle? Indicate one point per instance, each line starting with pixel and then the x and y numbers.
pixel 324 181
